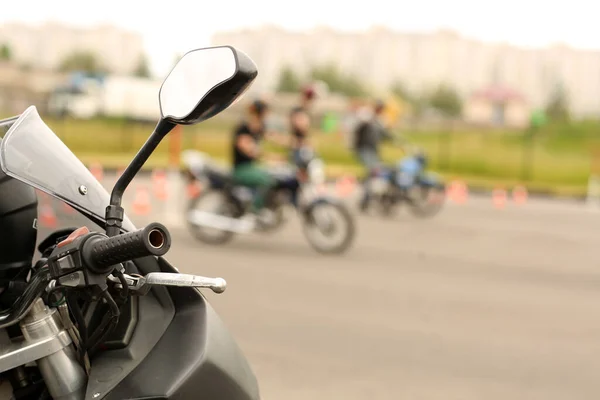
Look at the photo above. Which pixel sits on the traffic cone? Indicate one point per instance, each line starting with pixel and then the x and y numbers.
pixel 458 192
pixel 159 184
pixel 47 216
pixel 96 170
pixel 499 198
pixel 519 194
pixel 141 203
pixel 345 186
pixel 451 191
pixel 193 189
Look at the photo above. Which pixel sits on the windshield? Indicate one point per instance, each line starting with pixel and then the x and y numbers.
pixel 32 153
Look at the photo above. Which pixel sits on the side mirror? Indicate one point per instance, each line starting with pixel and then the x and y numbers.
pixel 202 84
pixel 205 82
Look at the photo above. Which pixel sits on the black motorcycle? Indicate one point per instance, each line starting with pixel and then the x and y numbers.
pixel 104 315
pixel 327 222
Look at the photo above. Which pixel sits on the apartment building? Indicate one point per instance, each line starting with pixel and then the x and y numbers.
pixel 420 61
pixel 45 46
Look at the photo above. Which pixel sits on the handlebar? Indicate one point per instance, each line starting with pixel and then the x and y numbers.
pixel 101 253
pixel 87 259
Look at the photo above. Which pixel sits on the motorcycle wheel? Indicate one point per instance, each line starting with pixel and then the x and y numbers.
pixel 430 201
pixel 314 225
pixel 224 208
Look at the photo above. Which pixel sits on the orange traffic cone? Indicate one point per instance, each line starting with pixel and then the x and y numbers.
pixel 499 198
pixel 159 184
pixel 458 192
pixel 193 189
pixel 141 203
pixel 345 186
pixel 520 195
pixel 47 216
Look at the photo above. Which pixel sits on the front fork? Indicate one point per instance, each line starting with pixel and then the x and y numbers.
pixel 47 343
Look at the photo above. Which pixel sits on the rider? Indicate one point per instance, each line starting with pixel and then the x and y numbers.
pixel 246 152
pixel 369 133
pixel 300 122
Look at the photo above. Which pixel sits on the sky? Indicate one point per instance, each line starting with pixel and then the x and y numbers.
pixel 176 26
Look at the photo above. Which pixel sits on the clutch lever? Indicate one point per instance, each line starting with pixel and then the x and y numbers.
pixel 141 284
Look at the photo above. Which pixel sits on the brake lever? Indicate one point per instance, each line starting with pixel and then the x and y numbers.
pixel 142 284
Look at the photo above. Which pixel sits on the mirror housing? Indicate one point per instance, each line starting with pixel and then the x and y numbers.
pixel 205 82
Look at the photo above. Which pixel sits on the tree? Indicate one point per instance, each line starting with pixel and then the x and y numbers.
pixel 5 52
pixel 289 82
pixel 558 104
pixel 338 82
pixel 82 61
pixel 416 102
pixel 400 90
pixel 143 69
pixel 446 100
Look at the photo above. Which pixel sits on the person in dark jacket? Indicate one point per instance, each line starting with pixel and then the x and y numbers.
pixel 368 136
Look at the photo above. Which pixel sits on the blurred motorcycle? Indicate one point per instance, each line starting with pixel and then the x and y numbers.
pixel 408 182
pixel 327 223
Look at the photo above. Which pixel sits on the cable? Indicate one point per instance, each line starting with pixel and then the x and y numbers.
pixel 125 291
pixel 59 301
pixel 107 325
pixel 79 320
pixel 112 324
pixel 115 311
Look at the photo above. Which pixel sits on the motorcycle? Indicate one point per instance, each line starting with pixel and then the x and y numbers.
pixel 105 315
pixel 322 217
pixel 408 182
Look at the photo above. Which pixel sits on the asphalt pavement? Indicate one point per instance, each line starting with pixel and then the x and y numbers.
pixel 476 303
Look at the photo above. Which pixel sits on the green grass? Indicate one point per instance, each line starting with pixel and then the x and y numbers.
pixel 562 154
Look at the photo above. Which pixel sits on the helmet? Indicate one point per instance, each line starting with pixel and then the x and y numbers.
pixel 379 106
pixel 18 214
pixel 309 92
pixel 259 107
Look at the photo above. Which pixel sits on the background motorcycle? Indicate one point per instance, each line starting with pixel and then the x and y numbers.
pixel 408 182
pixel 327 222
pixel 104 316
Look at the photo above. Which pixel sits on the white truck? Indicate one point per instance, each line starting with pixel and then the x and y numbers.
pixel 112 96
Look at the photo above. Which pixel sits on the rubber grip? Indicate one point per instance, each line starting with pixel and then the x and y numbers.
pixel 101 252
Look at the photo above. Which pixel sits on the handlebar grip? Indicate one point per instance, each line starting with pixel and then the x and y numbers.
pixel 101 253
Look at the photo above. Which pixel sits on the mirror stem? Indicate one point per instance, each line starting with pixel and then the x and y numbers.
pixel 114 212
